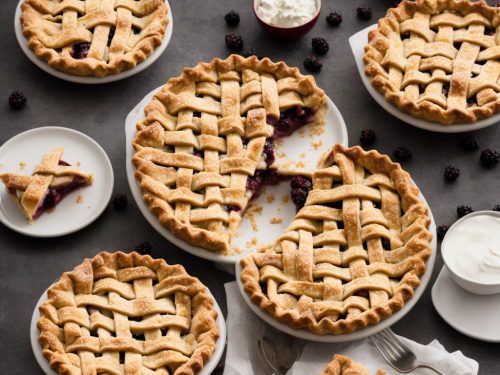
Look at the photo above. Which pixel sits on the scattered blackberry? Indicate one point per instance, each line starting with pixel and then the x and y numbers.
pixel 451 173
pixel 364 13
pixel 489 158
pixel 367 137
pixel 496 207
pixel 251 52
pixel 120 201
pixel 144 248
pixel 320 46
pixel 470 143
pixel 234 41
pixel 232 18
pixel 334 19
pixel 402 154
pixel 17 100
pixel 441 231
pixel 464 210
pixel 301 182
pixel 313 64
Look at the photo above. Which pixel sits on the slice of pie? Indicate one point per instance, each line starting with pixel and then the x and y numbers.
pixel 52 180
pixel 438 59
pixel 352 255
pixel 206 144
pixel 94 37
pixel 128 314
pixel 343 365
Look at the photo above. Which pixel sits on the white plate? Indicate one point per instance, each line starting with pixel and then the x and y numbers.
pixel 371 330
pixel 44 363
pixel 471 314
pixel 68 216
pixel 357 42
pixel 293 146
pixel 42 64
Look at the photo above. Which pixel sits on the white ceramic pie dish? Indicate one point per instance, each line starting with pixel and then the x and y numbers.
pixel 69 216
pixel 45 366
pixel 357 43
pixel 357 335
pixel 23 43
pixel 293 146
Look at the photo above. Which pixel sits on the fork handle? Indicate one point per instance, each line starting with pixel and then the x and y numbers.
pixel 424 365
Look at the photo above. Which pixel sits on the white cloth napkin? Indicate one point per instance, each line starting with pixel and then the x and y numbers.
pixel 244 328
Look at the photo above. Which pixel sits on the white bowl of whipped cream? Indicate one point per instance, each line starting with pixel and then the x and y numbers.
pixel 471 252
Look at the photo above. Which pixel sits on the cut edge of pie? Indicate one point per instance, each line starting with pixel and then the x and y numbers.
pixel 65 316
pixel 52 180
pixel 344 365
pixel 57 52
pixel 415 233
pixel 177 95
pixel 433 106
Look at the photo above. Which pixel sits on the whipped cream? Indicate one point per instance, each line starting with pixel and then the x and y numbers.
pixel 287 13
pixel 472 249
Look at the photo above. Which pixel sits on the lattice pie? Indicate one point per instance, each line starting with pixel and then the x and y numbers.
pixel 438 59
pixel 94 37
pixel 206 144
pixel 352 255
pixel 127 314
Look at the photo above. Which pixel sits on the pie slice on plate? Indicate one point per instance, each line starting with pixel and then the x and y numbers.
pixel 343 365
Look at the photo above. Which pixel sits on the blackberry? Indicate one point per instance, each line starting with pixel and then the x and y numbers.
pixel 334 19
pixel 301 182
pixel 402 154
pixel 367 137
pixel 269 151
pixel 464 210
pixel 232 18
pixel 271 177
pixel 313 64
pixel 80 50
pixel 234 41
pixel 320 46
pixel 17 100
pixel 441 231
pixel 451 173
pixel 144 248
pixel 299 197
pixel 120 201
pixel 470 143
pixel 364 13
pixel 489 158
pixel 496 208
pixel 251 52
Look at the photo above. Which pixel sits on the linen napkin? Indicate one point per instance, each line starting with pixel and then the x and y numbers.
pixel 244 328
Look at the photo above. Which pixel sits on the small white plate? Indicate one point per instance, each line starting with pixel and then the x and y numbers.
pixel 27 149
pixel 357 335
pixel 471 314
pixel 42 64
pixel 45 366
pixel 293 146
pixel 358 42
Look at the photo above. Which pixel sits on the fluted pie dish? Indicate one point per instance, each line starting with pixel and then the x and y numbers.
pixel 353 255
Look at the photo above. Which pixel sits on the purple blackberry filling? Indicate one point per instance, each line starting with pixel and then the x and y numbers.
pixel 290 120
pixel 80 50
pixel 262 177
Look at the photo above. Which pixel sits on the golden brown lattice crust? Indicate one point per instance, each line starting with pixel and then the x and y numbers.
pixel 352 255
pixel 343 365
pixel 125 314
pixel 204 135
pixel 121 33
pixel 438 59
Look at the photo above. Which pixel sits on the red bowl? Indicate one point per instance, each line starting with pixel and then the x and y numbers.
pixel 291 32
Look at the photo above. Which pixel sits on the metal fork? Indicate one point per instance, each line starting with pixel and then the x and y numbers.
pixel 397 354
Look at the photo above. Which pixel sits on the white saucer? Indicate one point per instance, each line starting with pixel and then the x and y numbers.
pixel 69 216
pixel 357 43
pixel 45 366
pixel 23 43
pixel 366 332
pixel 471 314
pixel 293 146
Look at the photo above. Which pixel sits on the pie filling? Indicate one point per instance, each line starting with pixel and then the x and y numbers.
pixel 290 120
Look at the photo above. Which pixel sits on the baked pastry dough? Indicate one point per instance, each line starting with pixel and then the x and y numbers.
pixel 94 37
pixel 127 314
pixel 352 255
pixel 204 137
pixel 343 365
pixel 438 59
pixel 52 180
